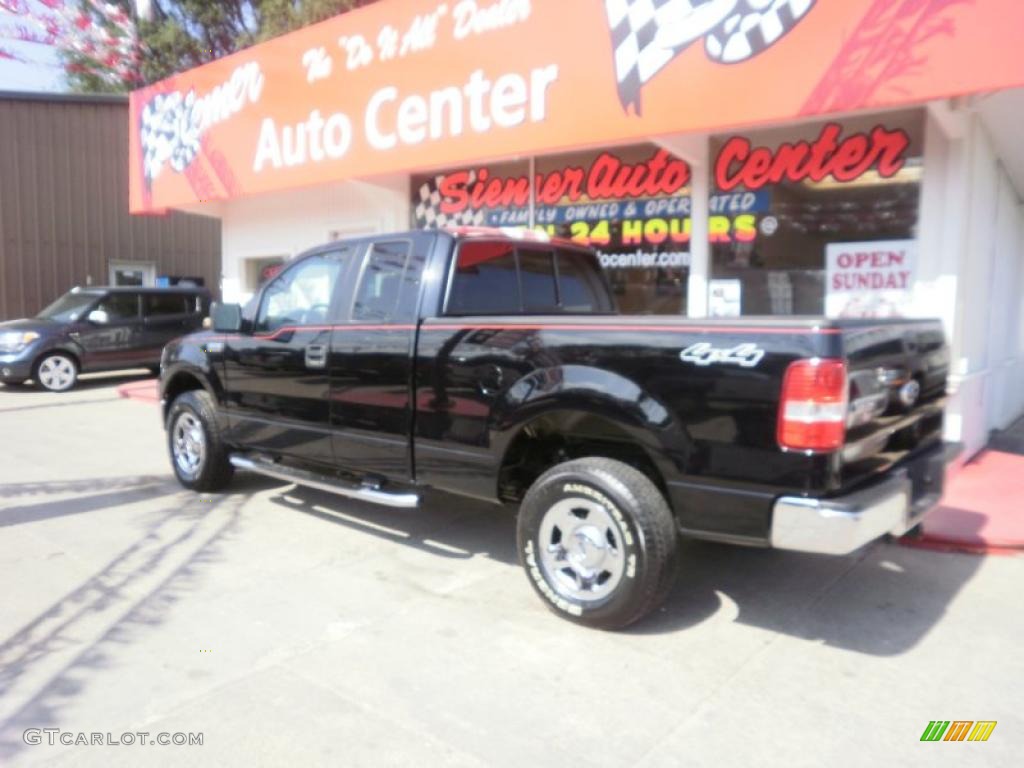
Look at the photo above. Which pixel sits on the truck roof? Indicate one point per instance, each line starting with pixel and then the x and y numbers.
pixel 90 289
pixel 511 234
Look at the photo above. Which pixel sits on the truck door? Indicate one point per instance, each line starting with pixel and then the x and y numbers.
pixel 278 388
pixel 372 356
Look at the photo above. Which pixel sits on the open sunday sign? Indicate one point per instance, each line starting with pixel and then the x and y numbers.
pixel 869 279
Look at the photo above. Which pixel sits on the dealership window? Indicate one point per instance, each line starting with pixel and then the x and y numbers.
pixel 631 204
pixel 816 218
pixel 257 271
pixel 131 273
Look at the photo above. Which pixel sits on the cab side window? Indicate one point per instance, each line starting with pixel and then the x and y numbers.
pixel 389 287
pixel 301 295
pixel 120 306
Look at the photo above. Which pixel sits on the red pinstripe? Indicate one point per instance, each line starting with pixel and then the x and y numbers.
pixel 540 327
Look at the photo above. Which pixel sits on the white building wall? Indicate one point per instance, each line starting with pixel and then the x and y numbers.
pixel 286 223
pixel 971 273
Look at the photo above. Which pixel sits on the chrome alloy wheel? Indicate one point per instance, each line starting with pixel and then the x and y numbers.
pixel 188 444
pixel 56 373
pixel 581 549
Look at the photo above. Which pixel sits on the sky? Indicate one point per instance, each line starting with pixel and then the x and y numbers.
pixel 41 73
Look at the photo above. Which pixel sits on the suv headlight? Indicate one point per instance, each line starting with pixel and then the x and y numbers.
pixel 15 341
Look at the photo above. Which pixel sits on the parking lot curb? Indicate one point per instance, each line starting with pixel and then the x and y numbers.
pixel 143 391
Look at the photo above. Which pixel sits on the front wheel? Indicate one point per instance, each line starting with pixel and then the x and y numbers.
pixel 598 542
pixel 198 454
pixel 56 372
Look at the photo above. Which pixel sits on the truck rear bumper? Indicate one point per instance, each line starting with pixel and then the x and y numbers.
pixel 839 525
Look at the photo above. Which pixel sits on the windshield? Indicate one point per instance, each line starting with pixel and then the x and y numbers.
pixel 68 307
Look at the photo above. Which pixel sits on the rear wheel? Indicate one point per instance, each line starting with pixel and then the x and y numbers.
pixel 598 542
pixel 198 454
pixel 56 372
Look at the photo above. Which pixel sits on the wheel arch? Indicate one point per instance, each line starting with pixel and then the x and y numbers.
pixel 563 432
pixel 59 350
pixel 599 410
pixel 181 381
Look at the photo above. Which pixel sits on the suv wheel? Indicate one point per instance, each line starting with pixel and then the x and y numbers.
pixel 198 454
pixel 56 372
pixel 598 542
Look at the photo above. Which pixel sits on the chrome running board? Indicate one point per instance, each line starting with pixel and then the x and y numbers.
pixel 322 483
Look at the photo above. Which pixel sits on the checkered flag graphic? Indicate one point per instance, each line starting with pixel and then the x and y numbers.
pixel 166 135
pixel 428 213
pixel 648 34
pixel 753 27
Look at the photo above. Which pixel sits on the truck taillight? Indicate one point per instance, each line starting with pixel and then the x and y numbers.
pixel 813 408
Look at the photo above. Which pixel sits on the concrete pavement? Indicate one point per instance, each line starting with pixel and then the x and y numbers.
pixel 295 628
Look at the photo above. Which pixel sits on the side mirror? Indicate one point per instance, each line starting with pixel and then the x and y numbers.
pixel 227 318
pixel 98 317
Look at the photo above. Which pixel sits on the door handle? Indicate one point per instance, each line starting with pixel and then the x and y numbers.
pixel 316 356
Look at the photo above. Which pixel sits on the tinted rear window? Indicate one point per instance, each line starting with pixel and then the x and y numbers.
pixel 580 284
pixel 485 280
pixel 537 280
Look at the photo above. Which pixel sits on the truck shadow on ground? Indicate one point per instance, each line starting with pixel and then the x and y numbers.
pixel 881 600
pixel 71 643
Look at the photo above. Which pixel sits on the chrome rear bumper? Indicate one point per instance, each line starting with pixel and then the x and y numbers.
pixel 840 525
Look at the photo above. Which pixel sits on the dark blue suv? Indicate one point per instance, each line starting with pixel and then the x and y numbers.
pixel 98 329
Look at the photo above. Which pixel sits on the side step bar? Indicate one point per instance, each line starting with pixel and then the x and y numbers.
pixel 320 482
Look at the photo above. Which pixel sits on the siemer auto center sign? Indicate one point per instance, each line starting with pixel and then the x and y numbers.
pixel 410 84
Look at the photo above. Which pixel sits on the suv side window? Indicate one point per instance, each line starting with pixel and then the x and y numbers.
pixel 389 287
pixel 486 281
pixel 301 295
pixel 120 306
pixel 164 304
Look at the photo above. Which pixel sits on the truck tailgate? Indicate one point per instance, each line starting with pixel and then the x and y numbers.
pixel 898 373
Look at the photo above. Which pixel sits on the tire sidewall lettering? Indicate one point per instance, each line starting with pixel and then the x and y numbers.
pixel 533 568
pixel 579 487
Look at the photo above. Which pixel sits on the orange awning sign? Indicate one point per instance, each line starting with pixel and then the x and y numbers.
pixel 409 85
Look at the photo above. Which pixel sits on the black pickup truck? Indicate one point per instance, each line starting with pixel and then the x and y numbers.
pixel 496 367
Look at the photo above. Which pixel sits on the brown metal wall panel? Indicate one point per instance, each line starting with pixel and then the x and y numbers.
pixel 64 205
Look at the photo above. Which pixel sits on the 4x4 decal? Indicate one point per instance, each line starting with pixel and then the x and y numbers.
pixel 703 354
